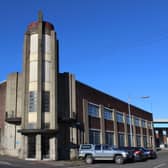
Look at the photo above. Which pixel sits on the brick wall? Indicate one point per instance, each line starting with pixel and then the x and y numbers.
pixel 95 96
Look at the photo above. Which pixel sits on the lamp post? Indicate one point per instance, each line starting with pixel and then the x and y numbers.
pixel 130 119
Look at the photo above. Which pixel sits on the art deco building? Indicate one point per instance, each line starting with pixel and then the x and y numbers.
pixel 45 114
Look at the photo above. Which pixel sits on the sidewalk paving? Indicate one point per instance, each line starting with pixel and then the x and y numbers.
pixel 56 163
pixel 63 163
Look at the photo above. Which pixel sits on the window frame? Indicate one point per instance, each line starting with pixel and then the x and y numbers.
pixel 108 113
pixel 92 112
pixel 119 117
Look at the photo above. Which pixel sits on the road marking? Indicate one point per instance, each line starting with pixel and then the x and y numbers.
pixel 161 165
pixel 5 163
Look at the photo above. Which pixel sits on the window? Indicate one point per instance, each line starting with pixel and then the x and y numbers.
pixel 129 140
pixel 108 114
pixel 136 121
pixel 94 137
pixel 32 101
pixel 120 117
pixel 138 140
pixel 46 101
pixel 93 110
pixel 143 123
pixel 145 141
pixel 128 119
pixel 121 141
pixel 109 137
pixel 149 124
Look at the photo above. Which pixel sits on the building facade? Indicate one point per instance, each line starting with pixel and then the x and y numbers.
pixel 46 114
pixel 161 133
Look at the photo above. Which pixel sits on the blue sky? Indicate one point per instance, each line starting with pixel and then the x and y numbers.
pixel 117 46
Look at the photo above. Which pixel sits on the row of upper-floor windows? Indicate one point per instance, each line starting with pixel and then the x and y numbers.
pixel 94 111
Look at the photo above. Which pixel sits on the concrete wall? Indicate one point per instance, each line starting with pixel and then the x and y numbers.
pixel 67 143
pixel 2 113
pixel 12 139
pixel 2 103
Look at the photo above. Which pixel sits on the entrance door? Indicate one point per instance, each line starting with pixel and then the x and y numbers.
pixel 45 147
pixel 31 146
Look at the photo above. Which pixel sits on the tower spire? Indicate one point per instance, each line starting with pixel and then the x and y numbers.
pixel 40 16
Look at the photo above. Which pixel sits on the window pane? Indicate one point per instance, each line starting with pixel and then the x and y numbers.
pixel 46 101
pixel 120 117
pixel 129 140
pixel 93 110
pixel 94 137
pixel 128 119
pixel 108 114
pixel 109 138
pixel 138 140
pixel 143 122
pixel 121 140
pixel 136 121
pixel 145 141
pixel 32 101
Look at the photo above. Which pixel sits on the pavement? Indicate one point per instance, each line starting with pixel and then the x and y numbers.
pixel 4 159
pixel 63 163
pixel 48 163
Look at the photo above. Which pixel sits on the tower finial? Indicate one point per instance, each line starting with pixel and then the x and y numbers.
pixel 40 16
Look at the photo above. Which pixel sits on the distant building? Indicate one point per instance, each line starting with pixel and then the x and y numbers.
pixel 161 132
pixel 45 114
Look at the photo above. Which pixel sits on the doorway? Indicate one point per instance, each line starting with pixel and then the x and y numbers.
pixel 45 146
pixel 31 146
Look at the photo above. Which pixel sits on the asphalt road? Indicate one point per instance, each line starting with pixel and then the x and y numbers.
pixel 11 162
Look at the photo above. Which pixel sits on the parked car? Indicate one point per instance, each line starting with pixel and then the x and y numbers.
pixel 138 154
pixel 91 152
pixel 150 153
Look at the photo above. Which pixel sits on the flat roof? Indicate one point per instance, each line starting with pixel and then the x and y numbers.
pixel 161 121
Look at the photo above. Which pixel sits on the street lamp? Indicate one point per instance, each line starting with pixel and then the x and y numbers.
pixel 130 119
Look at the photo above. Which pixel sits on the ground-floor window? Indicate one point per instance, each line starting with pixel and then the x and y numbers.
pixel 31 146
pixel 129 140
pixel 94 137
pixel 145 143
pixel 121 141
pixel 109 138
pixel 138 140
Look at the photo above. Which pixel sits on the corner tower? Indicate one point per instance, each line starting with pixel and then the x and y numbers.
pixel 40 73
